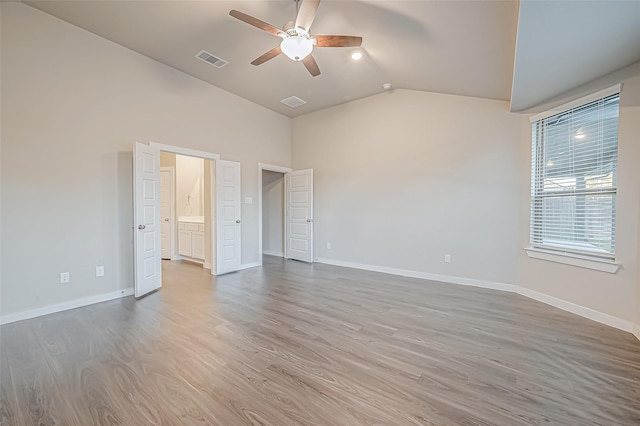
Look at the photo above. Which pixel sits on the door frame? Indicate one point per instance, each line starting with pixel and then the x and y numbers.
pixel 172 214
pixel 277 169
pixel 206 156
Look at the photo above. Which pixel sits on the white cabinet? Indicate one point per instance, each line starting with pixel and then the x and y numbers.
pixel 191 240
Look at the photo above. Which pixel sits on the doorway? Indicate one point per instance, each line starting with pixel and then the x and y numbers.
pixel 271 210
pixel 294 209
pixel 221 207
pixel 272 213
pixel 185 208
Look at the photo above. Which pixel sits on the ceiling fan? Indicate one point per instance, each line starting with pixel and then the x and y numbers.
pixel 297 43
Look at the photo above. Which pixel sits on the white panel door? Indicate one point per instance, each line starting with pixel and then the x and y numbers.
pixel 299 215
pixel 166 200
pixel 228 233
pixel 146 182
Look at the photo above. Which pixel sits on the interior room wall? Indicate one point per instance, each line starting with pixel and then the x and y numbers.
pixel 167 159
pixel 403 178
pixel 189 186
pixel 272 213
pixel 612 294
pixel 73 104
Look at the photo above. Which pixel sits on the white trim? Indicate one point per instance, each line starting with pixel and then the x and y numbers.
pixel 423 275
pixel 577 103
pixel 184 151
pixel 249 265
pixel 213 194
pixel 206 265
pixel 573 260
pixel 273 253
pixel 271 168
pixel 582 311
pixel 72 304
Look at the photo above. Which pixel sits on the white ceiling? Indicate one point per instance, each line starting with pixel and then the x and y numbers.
pixel 456 47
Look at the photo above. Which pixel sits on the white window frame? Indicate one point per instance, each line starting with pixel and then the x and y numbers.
pixel 567 255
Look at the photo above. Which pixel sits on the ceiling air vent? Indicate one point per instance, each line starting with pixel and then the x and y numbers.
pixel 293 101
pixel 210 59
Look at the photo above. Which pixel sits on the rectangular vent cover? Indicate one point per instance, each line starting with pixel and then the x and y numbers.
pixel 211 59
pixel 293 101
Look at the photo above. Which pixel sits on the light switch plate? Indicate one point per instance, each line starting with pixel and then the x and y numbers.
pixel 99 271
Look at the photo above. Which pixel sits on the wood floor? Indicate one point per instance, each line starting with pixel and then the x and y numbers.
pixel 291 343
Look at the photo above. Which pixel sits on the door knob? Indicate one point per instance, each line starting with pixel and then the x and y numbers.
pixel 238 221
pixel 309 220
pixel 166 219
pixel 141 226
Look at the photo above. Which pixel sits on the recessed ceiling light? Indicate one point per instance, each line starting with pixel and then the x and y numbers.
pixel 386 86
pixel 356 56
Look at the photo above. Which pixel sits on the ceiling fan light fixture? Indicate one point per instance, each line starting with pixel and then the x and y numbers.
pixel 296 47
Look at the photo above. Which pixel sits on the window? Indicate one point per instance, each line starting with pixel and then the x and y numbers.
pixel 574 179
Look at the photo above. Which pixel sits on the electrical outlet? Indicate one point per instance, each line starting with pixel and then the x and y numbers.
pixel 447 258
pixel 99 271
pixel 328 246
pixel 64 277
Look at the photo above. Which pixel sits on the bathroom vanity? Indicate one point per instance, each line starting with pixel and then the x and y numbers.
pixel 191 238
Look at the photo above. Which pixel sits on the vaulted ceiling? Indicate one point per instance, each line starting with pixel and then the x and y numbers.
pixel 523 52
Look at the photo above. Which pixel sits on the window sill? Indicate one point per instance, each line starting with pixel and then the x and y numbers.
pixel 573 259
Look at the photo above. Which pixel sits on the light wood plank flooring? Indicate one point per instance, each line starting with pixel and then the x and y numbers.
pixel 291 343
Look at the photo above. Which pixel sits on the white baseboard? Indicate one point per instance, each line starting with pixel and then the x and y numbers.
pixel 582 311
pixel 206 265
pixel 249 265
pixel 72 304
pixel 273 253
pixel 423 275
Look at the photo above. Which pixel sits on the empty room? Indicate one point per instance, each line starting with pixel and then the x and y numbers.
pixel 320 212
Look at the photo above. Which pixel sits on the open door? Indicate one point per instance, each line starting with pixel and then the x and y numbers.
pixel 299 215
pixel 228 225
pixel 146 205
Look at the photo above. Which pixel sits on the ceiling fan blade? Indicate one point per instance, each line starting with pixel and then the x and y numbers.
pixel 307 13
pixel 255 22
pixel 337 41
pixel 269 55
pixel 312 65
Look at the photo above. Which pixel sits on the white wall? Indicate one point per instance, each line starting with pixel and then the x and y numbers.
pixel 273 213
pixel 72 105
pixel 402 178
pixel 613 294
pixel 189 186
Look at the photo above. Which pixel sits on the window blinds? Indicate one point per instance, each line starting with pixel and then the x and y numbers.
pixel 574 179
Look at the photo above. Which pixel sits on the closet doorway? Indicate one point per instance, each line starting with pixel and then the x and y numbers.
pixel 285 210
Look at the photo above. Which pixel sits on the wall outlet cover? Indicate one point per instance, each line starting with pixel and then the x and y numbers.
pixel 99 271
pixel 64 277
